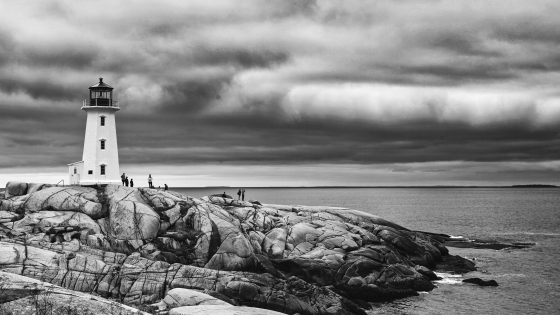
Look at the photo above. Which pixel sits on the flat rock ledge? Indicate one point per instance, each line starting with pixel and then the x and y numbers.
pixel 177 254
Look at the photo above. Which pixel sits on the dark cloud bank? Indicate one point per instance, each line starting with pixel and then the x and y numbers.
pixel 286 82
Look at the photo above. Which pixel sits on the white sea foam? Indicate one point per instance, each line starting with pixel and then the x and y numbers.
pixel 453 236
pixel 448 278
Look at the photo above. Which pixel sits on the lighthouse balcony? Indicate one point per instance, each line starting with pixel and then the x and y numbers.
pixel 100 102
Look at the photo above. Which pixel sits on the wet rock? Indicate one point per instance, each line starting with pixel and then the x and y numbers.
pixel 483 283
pixel 426 272
pixel 455 264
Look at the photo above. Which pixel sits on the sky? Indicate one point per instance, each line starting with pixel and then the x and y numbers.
pixel 287 93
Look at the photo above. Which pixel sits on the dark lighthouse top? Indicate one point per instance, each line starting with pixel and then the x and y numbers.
pixel 101 94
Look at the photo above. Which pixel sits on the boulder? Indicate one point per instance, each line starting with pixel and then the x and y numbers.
pixel 483 283
pixel 274 243
pixel 254 202
pixel 78 199
pixel 186 297
pixel 455 264
pixel 15 189
pixel 130 218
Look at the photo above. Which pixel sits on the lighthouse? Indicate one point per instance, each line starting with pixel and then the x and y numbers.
pixel 100 160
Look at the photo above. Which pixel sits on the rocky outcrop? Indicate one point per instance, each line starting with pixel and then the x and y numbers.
pixel 482 283
pixel 148 246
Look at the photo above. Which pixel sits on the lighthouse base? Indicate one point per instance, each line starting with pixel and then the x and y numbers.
pixel 101 182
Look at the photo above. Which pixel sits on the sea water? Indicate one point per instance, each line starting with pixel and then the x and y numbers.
pixel 529 279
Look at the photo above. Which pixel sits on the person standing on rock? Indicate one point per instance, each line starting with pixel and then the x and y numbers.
pixel 150 181
pixel 239 194
pixel 126 181
pixel 165 185
pixel 243 195
pixel 123 178
pixel 131 183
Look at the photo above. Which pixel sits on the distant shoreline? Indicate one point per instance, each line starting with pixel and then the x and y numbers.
pixel 428 187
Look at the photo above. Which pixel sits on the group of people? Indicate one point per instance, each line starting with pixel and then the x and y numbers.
pixel 125 181
pixel 241 194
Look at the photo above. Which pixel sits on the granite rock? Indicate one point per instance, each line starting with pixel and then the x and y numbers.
pixel 220 310
pixel 143 245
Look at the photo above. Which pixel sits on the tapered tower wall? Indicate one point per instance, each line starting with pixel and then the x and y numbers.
pixel 94 155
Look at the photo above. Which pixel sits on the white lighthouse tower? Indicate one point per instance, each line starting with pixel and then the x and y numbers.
pixel 100 161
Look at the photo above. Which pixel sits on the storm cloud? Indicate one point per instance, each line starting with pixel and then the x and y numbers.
pixel 396 85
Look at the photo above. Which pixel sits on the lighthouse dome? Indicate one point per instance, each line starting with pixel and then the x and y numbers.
pixel 101 86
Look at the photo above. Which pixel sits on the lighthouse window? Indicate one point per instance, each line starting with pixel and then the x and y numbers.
pixel 102 120
pixel 102 169
pixel 101 95
pixel 102 144
pixel 75 171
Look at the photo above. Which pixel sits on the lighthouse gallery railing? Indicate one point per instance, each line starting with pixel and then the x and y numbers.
pixel 101 102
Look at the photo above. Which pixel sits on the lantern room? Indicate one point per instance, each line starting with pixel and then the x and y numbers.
pixel 101 94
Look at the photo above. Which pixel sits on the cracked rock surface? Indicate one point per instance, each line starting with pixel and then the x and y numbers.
pixel 148 246
pixel 19 294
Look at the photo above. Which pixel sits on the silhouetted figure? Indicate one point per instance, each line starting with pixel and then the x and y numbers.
pixel 131 183
pixel 239 194
pixel 165 185
pixel 243 195
pixel 224 195
pixel 123 177
pixel 126 181
pixel 150 181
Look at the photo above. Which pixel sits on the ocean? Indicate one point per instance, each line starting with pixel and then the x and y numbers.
pixel 529 279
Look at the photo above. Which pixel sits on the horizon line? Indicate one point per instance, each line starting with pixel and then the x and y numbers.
pixel 353 186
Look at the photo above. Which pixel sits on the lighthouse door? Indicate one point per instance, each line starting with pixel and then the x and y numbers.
pixel 75 179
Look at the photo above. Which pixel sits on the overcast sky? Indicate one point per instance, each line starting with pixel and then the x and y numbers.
pixel 280 93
